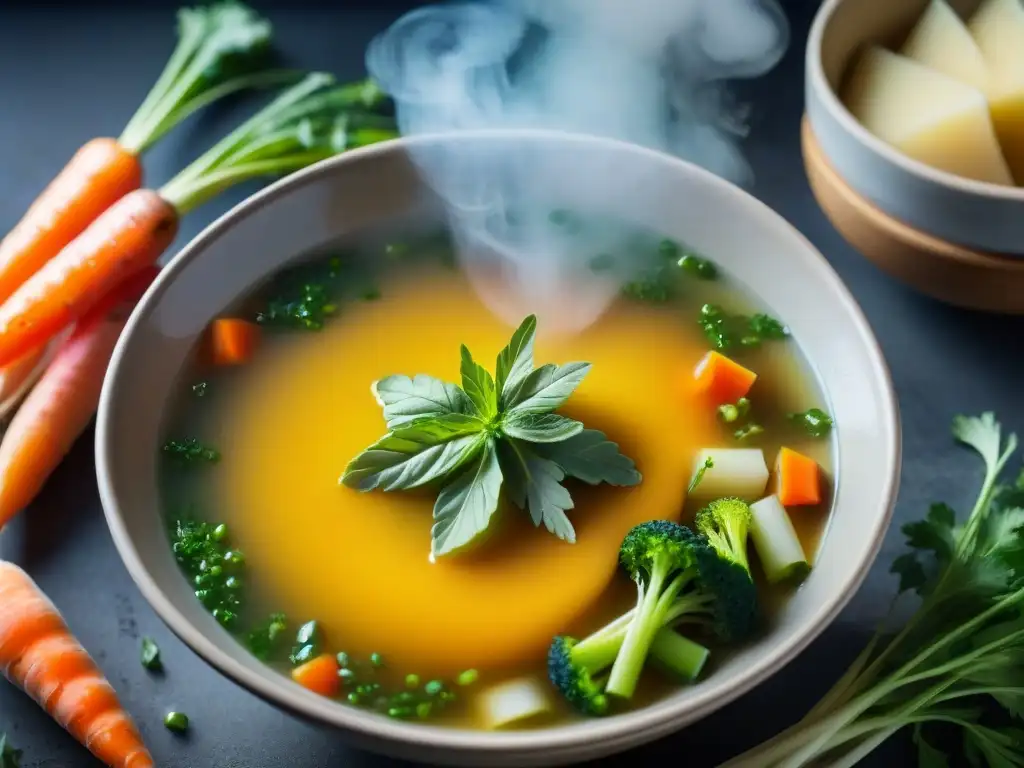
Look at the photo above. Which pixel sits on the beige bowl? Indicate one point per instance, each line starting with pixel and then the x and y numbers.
pixel 972 214
pixel 373 185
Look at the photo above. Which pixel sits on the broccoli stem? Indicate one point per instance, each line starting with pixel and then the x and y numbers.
pixel 678 654
pixel 648 618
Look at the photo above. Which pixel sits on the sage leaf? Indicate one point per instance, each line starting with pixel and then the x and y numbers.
pixel 540 427
pixel 515 362
pixel 416 454
pixel 479 386
pixel 405 399
pixel 548 387
pixel 465 506
pixel 591 457
pixel 535 483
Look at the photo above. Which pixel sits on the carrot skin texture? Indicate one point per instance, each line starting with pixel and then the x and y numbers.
pixel 64 400
pixel 127 237
pixel 39 654
pixel 99 174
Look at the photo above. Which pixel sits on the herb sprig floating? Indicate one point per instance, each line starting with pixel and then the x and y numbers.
pixel 493 435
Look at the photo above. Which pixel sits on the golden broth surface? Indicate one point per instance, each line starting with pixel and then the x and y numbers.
pixel 358 562
pixel 289 422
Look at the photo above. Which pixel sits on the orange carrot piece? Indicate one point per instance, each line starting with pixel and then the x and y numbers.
pixel 99 174
pixel 797 480
pixel 127 237
pixel 320 675
pixel 233 341
pixel 63 401
pixel 722 380
pixel 39 654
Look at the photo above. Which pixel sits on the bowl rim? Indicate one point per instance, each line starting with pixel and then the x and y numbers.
pixel 830 99
pixel 560 742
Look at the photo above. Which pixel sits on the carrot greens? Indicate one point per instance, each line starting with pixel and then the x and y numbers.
pixel 493 435
pixel 310 121
pixel 956 662
pixel 222 48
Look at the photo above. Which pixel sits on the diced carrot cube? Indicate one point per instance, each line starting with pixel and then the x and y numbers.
pixel 232 341
pixel 319 675
pixel 722 380
pixel 797 479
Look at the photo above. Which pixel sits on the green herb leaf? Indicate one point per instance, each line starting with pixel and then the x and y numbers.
pixel 465 506
pixel 268 641
pixel 540 427
pixel 9 756
pixel 515 362
pixel 591 457
pixel 479 386
pixel 814 421
pixel 150 656
pixel 407 399
pixel 536 483
pixel 190 452
pixel 927 755
pixel 934 534
pixel 549 387
pixel 910 571
pixel 417 453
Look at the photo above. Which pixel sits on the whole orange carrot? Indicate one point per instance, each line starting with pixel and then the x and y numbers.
pixel 103 170
pixel 306 123
pixel 39 654
pixel 62 403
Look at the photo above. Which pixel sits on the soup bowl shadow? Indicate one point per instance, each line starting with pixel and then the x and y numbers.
pixel 370 187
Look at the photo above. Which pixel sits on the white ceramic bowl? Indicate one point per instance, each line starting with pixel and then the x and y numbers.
pixel 371 185
pixel 977 215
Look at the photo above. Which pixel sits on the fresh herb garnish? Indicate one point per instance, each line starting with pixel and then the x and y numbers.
pixel 748 431
pixel 730 412
pixel 203 552
pixel 190 451
pixel 725 330
pixel 814 421
pixel 266 642
pixel 489 436
pixel 699 474
pixel 305 297
pixel 655 286
pixel 956 661
pixel 150 655
pixel 698 267
pixel 199 389
pixel 9 756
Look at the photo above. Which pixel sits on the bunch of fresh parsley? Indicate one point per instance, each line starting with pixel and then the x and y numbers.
pixel 956 668
pixel 492 435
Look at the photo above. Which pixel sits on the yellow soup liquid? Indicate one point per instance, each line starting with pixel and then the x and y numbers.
pixel 290 421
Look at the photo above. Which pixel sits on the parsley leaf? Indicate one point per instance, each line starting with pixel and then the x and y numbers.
pixel 549 387
pixel 417 453
pixel 540 427
pixel 591 457
pixel 465 506
pixel 479 386
pixel 491 434
pixel 515 361
pixel 405 399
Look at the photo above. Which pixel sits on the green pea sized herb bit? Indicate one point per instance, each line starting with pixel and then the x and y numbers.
pixel 493 435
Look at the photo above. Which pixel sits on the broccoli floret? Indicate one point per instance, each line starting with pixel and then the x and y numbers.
pixel 660 557
pixel 570 672
pixel 681 578
pixel 726 524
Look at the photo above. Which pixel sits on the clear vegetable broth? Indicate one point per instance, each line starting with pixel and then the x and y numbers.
pixel 287 423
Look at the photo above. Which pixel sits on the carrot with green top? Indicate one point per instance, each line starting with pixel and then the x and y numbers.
pixel 308 122
pixel 40 655
pixel 221 49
